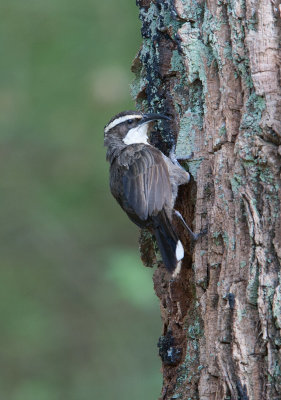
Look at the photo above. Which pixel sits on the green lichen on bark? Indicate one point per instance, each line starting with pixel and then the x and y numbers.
pixel 189 371
pixel 253 284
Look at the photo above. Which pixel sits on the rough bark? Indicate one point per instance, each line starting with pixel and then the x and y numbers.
pixel 215 66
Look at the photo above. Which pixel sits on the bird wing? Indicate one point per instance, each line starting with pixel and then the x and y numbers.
pixel 146 183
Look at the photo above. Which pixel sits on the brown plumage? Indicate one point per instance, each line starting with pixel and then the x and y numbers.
pixel 144 181
pixel 145 187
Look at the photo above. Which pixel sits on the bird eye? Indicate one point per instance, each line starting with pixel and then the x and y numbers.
pixel 130 121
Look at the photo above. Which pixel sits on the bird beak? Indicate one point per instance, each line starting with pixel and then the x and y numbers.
pixel 153 117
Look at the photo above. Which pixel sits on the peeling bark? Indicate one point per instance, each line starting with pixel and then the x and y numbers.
pixel 215 66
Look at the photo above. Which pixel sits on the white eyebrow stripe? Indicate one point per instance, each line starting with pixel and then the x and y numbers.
pixel 119 120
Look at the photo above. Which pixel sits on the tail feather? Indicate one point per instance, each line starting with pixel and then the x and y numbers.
pixel 170 246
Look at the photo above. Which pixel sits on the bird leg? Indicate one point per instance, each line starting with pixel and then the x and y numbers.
pixel 194 236
pixel 174 159
pixel 186 157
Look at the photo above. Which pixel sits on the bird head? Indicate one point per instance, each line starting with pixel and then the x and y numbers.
pixel 130 127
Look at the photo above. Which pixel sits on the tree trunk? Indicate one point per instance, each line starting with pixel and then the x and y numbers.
pixel 215 67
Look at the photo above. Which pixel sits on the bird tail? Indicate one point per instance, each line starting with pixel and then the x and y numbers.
pixel 170 246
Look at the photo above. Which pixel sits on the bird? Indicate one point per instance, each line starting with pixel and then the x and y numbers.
pixel 145 182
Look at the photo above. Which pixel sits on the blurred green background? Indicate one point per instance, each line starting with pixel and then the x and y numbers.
pixel 79 318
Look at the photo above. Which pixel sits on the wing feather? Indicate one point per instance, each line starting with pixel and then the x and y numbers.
pixel 146 183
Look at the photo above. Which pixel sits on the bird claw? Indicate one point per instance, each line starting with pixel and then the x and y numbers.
pixel 186 157
pixel 176 159
pixel 200 234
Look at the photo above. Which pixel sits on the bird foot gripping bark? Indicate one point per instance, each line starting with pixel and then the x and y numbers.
pixel 194 236
pixel 174 159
